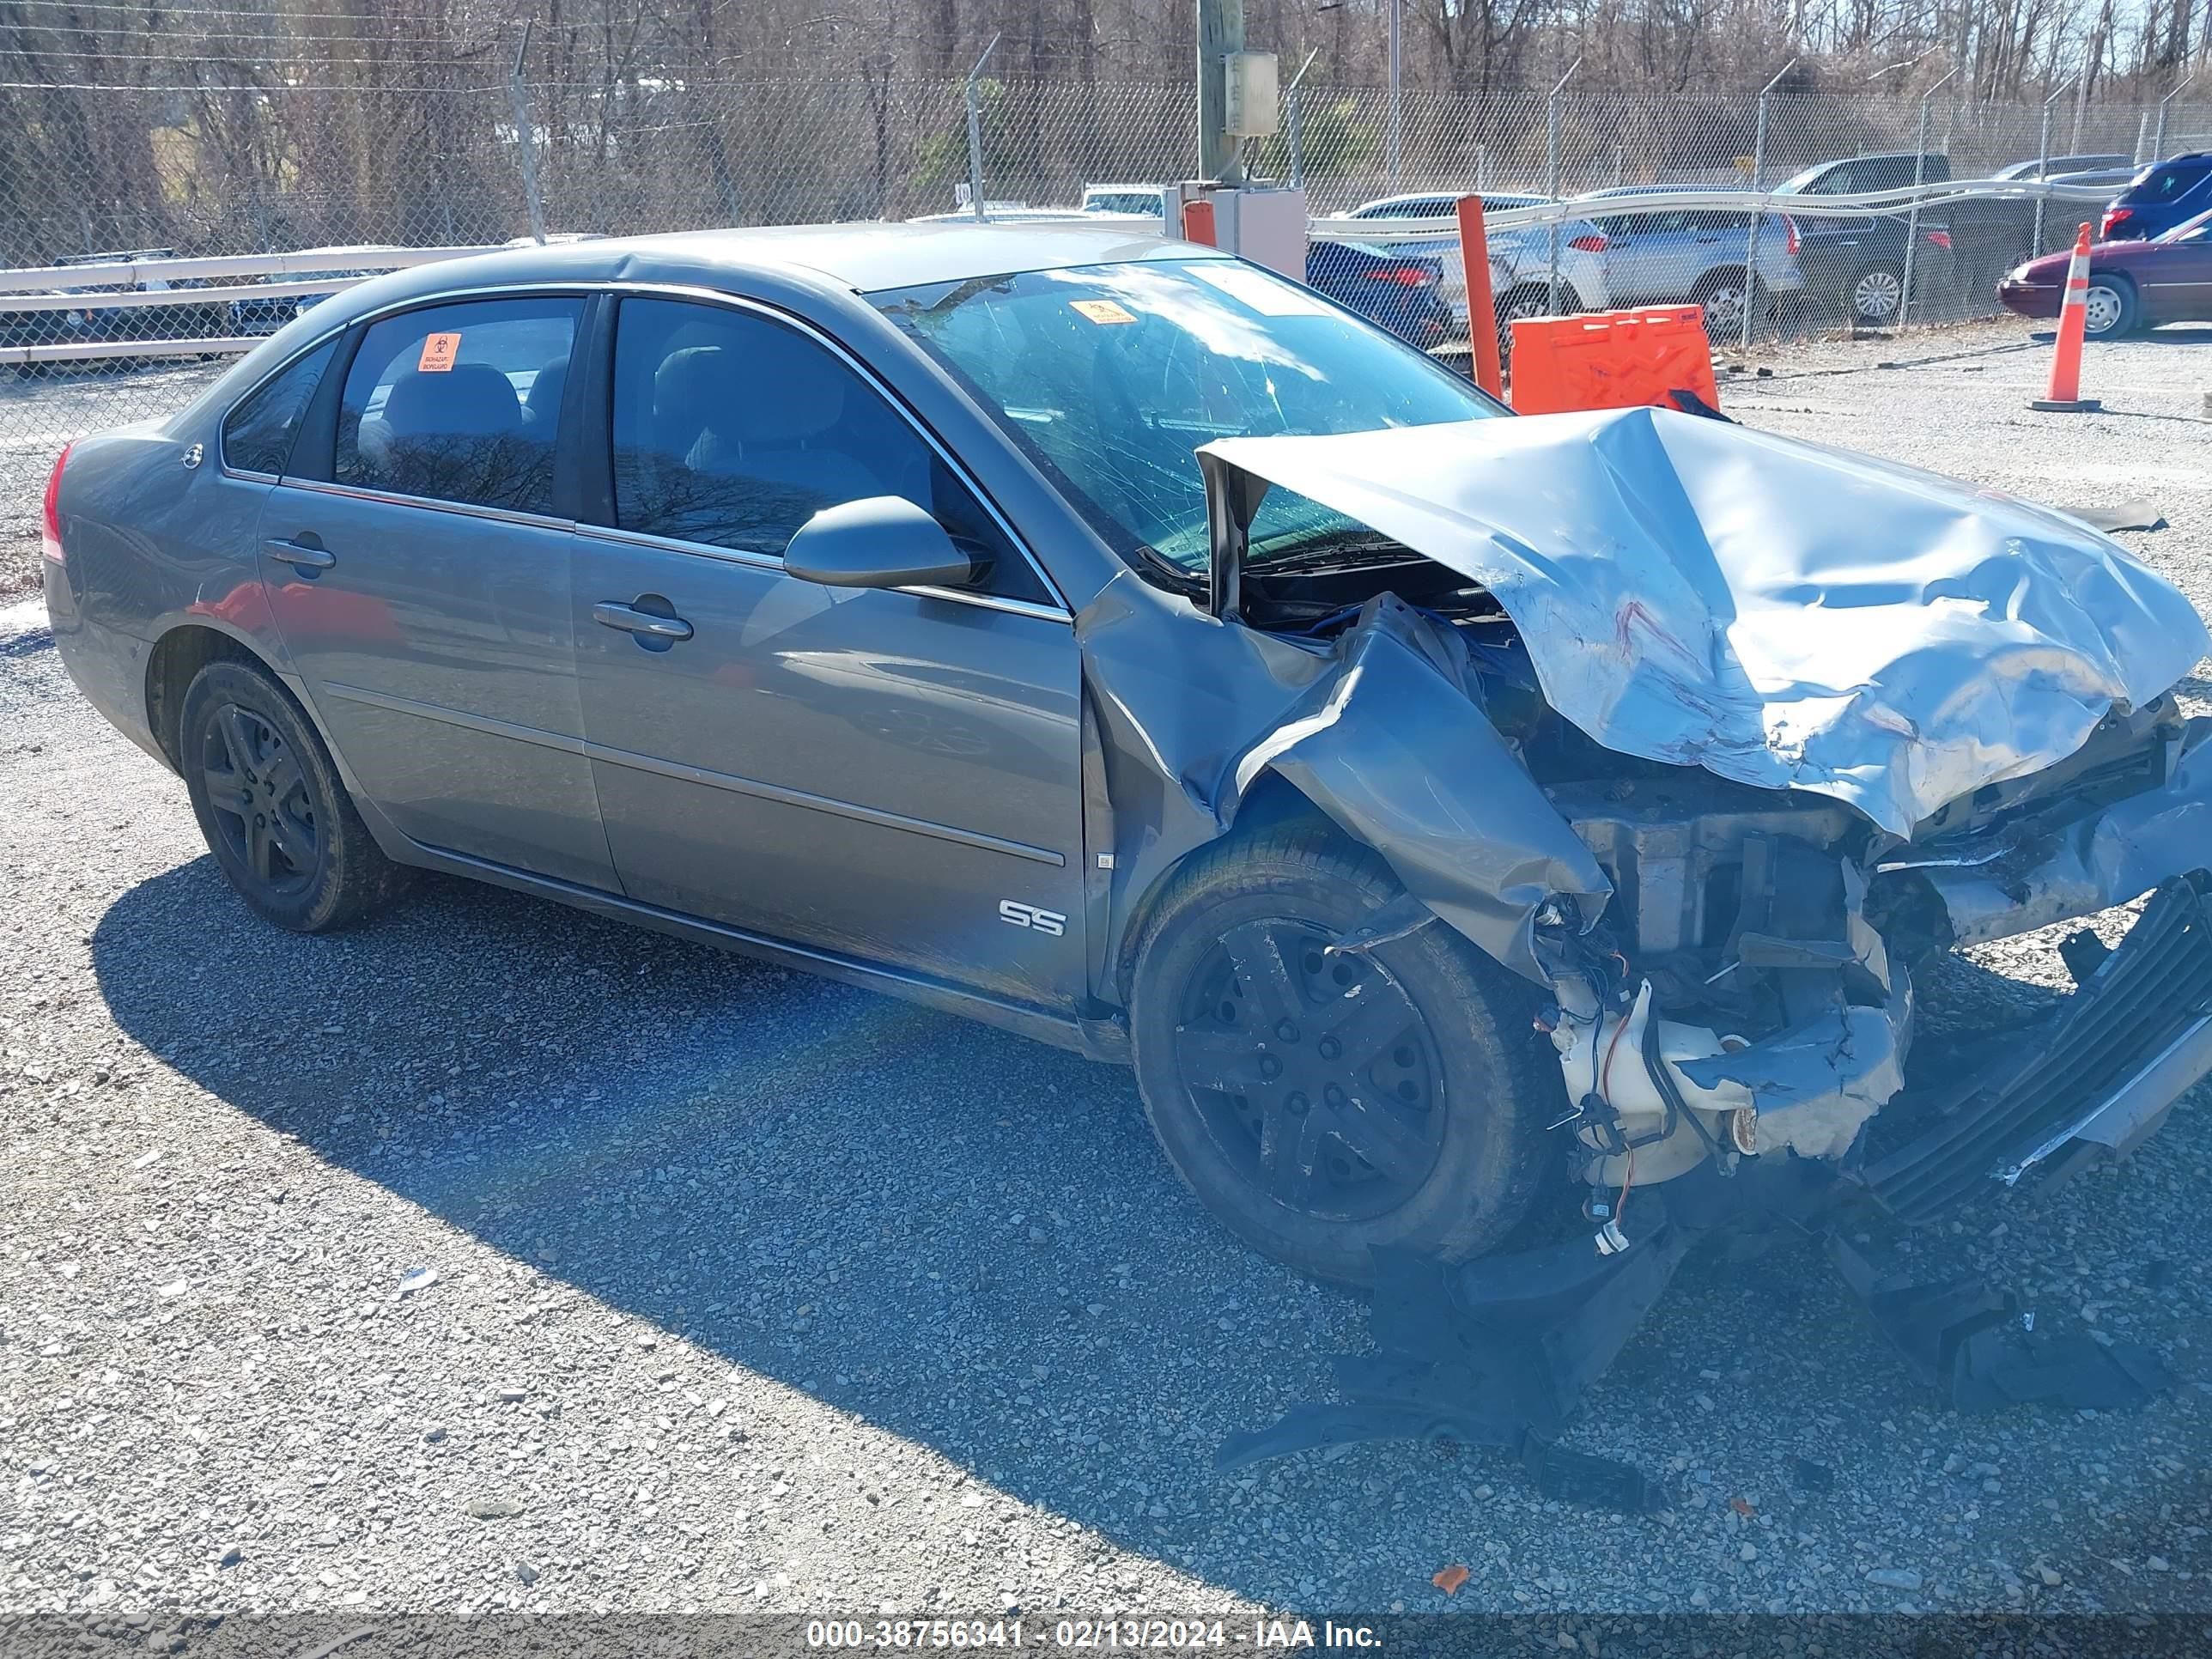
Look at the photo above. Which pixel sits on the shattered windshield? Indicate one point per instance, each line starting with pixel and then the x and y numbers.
pixel 1110 376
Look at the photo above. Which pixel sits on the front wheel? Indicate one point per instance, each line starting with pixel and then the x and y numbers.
pixel 2110 308
pixel 1320 1103
pixel 270 802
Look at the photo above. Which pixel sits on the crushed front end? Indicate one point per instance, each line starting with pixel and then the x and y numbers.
pixel 1753 993
pixel 1778 778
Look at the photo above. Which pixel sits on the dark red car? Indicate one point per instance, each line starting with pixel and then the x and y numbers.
pixel 2132 285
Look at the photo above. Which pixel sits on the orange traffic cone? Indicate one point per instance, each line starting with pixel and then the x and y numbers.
pixel 2065 395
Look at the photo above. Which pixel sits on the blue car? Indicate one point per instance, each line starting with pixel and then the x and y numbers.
pixel 1400 291
pixel 2163 195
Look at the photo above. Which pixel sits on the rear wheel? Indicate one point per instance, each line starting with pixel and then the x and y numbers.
pixel 1724 295
pixel 1319 1103
pixel 271 804
pixel 1876 296
pixel 2110 308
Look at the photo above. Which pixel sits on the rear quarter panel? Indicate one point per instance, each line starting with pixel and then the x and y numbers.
pixel 149 543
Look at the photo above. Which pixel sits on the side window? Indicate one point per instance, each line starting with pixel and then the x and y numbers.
pixel 257 434
pixel 459 403
pixel 733 429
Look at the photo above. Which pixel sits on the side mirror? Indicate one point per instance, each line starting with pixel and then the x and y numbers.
pixel 882 541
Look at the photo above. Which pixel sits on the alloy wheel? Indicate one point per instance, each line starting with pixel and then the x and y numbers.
pixel 1724 311
pixel 1876 295
pixel 259 798
pixel 1312 1071
pixel 2102 309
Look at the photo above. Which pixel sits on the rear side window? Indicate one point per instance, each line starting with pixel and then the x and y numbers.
pixel 459 403
pixel 733 429
pixel 2169 182
pixel 257 434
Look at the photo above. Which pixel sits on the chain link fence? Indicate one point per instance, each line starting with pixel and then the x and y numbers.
pixel 94 172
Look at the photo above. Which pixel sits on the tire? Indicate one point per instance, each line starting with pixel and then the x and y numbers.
pixel 2113 308
pixel 1722 295
pixel 1874 297
pixel 270 805
pixel 1526 300
pixel 1435 1144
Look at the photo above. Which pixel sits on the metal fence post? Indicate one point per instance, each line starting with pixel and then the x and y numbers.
pixel 1552 186
pixel 526 140
pixel 1912 219
pixel 2158 144
pixel 1758 212
pixel 1294 100
pixel 974 98
pixel 1397 89
pixel 2043 159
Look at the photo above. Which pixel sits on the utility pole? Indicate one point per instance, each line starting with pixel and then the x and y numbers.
pixel 1220 31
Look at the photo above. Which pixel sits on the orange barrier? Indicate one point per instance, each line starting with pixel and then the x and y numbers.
pixel 1198 223
pixel 1481 304
pixel 2064 395
pixel 1613 360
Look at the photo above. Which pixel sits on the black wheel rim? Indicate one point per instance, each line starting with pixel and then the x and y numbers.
pixel 1313 1073
pixel 258 794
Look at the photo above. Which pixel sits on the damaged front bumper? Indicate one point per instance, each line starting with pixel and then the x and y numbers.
pixel 2101 1070
pixel 2095 1076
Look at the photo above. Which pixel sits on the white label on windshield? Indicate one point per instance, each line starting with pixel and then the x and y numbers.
pixel 1266 294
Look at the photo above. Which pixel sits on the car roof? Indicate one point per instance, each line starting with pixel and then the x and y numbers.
pixel 862 257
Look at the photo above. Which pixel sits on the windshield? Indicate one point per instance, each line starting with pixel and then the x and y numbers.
pixel 1110 376
pixel 2189 230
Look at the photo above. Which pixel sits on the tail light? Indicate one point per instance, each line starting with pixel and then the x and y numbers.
pixel 1404 276
pixel 50 530
pixel 1588 244
pixel 2114 217
pixel 1941 238
pixel 1789 225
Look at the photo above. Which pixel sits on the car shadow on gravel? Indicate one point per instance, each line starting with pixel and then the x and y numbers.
pixel 961 1237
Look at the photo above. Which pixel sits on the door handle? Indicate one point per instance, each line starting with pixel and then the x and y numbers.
pixel 301 557
pixel 630 620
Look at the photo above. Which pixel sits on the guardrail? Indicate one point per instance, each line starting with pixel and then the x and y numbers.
pixel 127 284
pixel 144 284
pixel 1720 198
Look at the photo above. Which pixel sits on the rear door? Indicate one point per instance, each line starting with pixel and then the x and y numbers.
pixel 890 776
pixel 417 563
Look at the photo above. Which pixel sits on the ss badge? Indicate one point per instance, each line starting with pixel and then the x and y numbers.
pixel 1028 915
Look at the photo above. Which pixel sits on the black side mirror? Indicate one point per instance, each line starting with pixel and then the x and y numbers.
pixel 882 541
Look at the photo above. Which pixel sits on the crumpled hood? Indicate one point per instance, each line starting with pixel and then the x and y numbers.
pixel 1783 614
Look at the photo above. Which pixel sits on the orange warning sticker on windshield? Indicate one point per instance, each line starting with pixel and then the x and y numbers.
pixel 439 351
pixel 1105 311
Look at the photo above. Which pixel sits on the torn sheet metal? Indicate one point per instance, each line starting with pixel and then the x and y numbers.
pixel 2103 859
pixel 1783 614
pixel 1382 730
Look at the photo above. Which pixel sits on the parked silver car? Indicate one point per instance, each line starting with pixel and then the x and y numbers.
pixel 1520 257
pixel 1695 255
pixel 1109 640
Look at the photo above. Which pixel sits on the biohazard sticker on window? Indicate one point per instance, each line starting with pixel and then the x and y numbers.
pixel 1105 311
pixel 439 351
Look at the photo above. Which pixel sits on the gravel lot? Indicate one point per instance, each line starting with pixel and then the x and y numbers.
pixel 754 1292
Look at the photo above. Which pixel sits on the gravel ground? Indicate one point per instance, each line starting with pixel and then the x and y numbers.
pixel 754 1292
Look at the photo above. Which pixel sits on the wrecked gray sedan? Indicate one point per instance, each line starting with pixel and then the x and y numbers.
pixel 1447 814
